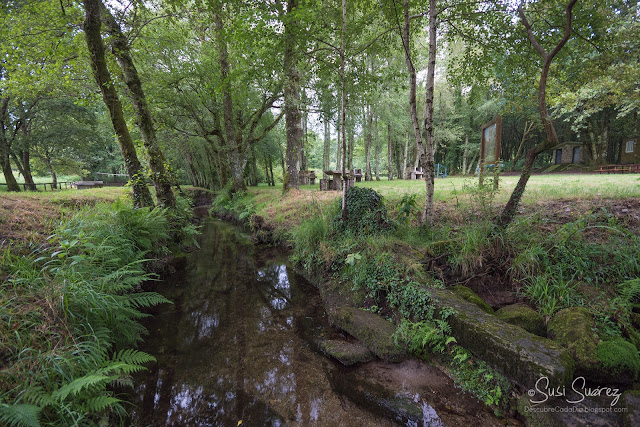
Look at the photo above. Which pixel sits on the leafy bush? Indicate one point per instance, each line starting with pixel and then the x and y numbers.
pixel 366 213
pixel 69 312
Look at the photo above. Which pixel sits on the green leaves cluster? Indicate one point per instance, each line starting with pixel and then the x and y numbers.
pixel 69 354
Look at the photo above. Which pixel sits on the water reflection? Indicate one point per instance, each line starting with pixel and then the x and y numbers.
pixel 233 345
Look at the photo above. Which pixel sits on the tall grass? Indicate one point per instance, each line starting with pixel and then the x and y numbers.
pixel 69 317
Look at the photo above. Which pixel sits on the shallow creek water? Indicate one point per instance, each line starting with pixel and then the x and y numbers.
pixel 237 345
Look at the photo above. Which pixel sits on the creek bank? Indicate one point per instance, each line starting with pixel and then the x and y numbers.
pixel 522 356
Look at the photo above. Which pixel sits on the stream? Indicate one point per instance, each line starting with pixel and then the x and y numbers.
pixel 237 348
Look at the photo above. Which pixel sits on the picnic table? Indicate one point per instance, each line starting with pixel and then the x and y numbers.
pixel 335 181
pixel 619 169
pixel 307 177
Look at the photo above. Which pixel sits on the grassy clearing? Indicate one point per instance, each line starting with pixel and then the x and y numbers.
pixel 31 216
pixel 559 195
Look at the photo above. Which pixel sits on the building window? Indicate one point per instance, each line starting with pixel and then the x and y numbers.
pixel 629 146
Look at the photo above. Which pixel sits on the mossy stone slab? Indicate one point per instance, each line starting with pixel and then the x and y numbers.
pixel 374 331
pixel 518 354
pixel 571 327
pixel 525 317
pixel 347 353
pixel 468 295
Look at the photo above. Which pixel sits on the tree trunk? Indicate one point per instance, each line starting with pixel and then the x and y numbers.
pixel 528 127
pixel 24 171
pixel 5 148
pixel 405 158
pixel 326 161
pixel 291 99
pixel 273 180
pixel 304 144
pixel 406 39
pixel 343 112
pixel 157 162
pixel 473 160
pixel 236 155
pixel 350 143
pixel 389 152
pixel 141 194
pixel 428 160
pixel 376 144
pixel 368 140
pixel 52 172
pixel 465 155
pixel 509 211
pixel 339 147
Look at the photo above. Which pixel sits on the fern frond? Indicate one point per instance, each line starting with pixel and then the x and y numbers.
pixel 22 415
pixel 145 299
pixel 100 403
pixel 79 384
pixel 133 357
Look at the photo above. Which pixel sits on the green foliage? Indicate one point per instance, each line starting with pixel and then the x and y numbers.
pixel 551 268
pixel 478 377
pixel 20 415
pixel 307 238
pixel 620 357
pixel 239 204
pixel 471 375
pixel 407 208
pixel 69 306
pixel 366 213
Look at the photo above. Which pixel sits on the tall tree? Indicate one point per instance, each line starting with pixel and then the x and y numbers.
pixel 343 109
pixel 427 161
pixel 92 26
pixel 291 97
pixel 157 162
pixel 547 57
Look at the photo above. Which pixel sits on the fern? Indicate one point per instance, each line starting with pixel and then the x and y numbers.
pixel 80 384
pixel 20 415
pixel 101 403
pixel 145 299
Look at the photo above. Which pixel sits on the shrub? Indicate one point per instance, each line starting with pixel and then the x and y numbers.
pixel 366 213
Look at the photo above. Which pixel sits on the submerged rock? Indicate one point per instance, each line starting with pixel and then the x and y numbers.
pixel 345 352
pixel 518 354
pixel 523 316
pixel 468 295
pixel 375 332
pixel 378 398
pixel 571 328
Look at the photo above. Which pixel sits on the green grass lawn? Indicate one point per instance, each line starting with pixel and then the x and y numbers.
pixel 539 187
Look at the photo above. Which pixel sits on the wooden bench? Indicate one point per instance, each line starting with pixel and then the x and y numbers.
pixel 619 169
pixel 81 185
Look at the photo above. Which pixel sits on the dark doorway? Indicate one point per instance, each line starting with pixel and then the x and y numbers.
pixel 576 155
pixel 558 156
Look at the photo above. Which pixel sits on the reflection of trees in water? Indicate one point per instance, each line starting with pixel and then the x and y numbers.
pixel 208 371
pixel 229 348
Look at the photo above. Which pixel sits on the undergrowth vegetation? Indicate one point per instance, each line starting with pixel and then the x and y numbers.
pixel 385 261
pixel 69 315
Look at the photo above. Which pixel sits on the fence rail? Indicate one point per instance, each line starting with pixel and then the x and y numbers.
pixel 34 186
